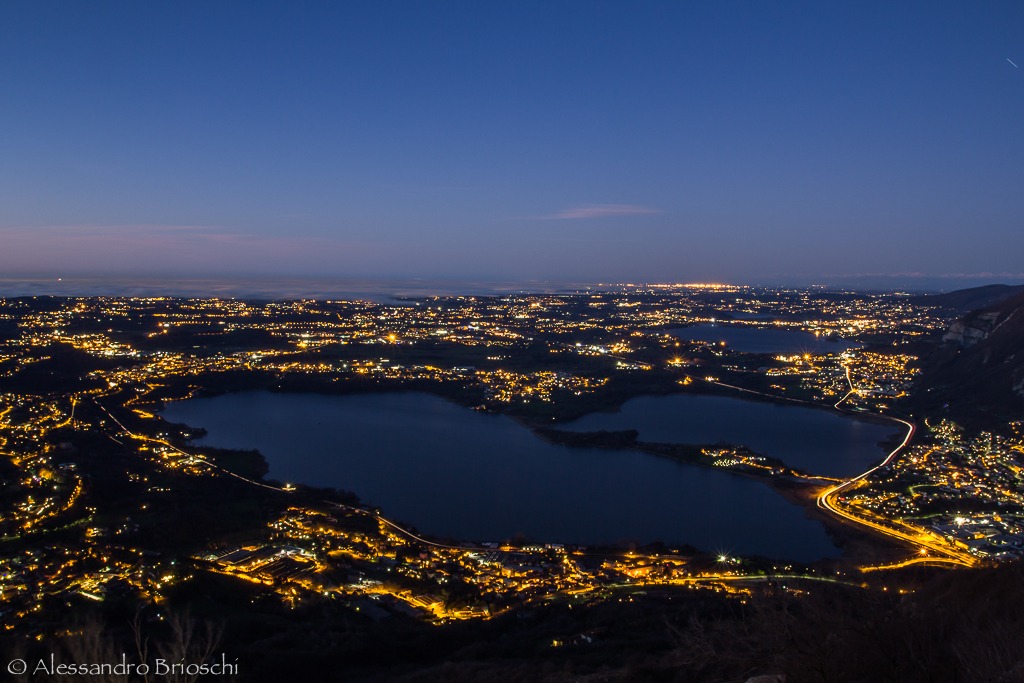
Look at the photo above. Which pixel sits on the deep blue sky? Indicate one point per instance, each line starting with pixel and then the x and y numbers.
pixel 585 141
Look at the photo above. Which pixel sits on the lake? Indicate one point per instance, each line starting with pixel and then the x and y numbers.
pixel 809 439
pixel 749 339
pixel 451 471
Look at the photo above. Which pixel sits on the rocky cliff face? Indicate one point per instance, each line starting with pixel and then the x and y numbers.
pixel 972 329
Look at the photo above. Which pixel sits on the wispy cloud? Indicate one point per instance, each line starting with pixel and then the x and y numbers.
pixel 599 211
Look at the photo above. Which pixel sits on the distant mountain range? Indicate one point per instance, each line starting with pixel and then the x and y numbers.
pixel 964 300
pixel 976 371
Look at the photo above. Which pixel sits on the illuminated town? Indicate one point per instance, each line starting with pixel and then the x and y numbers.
pixel 93 476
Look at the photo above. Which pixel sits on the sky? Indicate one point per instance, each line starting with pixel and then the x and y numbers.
pixel 744 142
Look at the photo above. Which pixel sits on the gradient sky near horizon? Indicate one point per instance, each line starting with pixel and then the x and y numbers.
pixel 565 141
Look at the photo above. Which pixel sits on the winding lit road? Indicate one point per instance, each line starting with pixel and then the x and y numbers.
pixel 926 541
pixel 930 547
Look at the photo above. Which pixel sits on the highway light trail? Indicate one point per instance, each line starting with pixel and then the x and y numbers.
pixel 204 461
pixel 921 539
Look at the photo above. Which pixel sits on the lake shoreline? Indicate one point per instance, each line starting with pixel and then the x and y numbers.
pixel 659 501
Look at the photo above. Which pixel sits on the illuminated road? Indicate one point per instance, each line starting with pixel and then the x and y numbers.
pixel 923 539
pixel 198 458
pixel 403 531
pixel 922 560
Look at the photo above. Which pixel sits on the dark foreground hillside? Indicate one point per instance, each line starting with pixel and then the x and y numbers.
pixel 962 626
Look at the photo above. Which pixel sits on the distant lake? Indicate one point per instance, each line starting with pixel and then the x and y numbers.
pixel 451 471
pixel 747 339
pixel 812 440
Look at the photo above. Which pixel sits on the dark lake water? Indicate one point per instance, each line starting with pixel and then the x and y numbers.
pixel 812 440
pixel 451 471
pixel 761 340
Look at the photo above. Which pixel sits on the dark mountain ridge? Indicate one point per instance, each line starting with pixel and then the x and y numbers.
pixel 976 373
pixel 965 300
